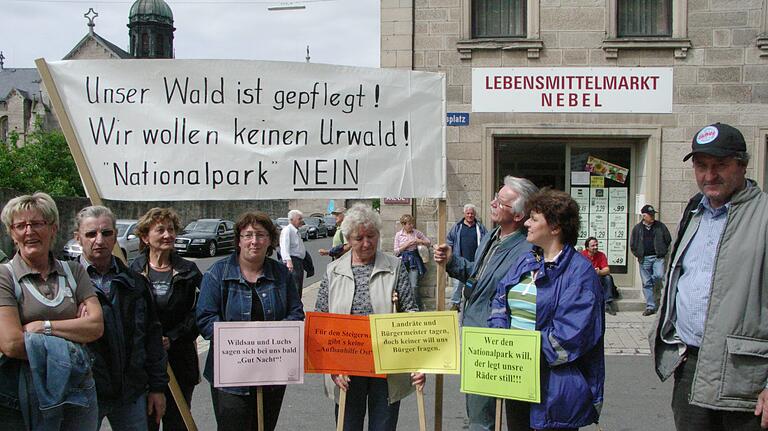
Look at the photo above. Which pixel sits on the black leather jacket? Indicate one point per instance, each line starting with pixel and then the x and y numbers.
pixel 178 317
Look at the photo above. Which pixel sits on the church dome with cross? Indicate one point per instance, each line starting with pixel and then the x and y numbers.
pixel 151 29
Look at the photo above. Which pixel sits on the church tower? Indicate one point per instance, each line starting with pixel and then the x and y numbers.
pixel 151 29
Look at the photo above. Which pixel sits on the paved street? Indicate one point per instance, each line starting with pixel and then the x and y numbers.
pixel 635 398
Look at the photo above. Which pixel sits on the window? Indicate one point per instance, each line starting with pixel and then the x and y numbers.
pixel 499 24
pixel 644 18
pixel 144 45
pixel 3 128
pixel 159 46
pixel 498 18
pixel 647 24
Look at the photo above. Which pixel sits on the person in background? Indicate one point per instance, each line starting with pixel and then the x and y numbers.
pixel 649 242
pixel 712 329
pixel 175 284
pixel 407 241
pixel 48 313
pixel 363 282
pixel 555 290
pixel 463 238
pixel 498 251
pixel 129 359
pixel 600 263
pixel 340 245
pixel 292 248
pixel 247 286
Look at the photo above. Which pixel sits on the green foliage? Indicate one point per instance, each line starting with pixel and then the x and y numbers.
pixel 42 164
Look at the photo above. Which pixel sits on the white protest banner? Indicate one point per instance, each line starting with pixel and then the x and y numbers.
pixel 572 89
pixel 225 129
pixel 258 353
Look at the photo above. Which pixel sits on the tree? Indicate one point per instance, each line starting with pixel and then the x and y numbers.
pixel 43 164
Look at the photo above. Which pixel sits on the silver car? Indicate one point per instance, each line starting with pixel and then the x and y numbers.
pixel 126 238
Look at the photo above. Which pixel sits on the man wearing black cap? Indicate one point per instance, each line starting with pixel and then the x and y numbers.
pixel 712 331
pixel 649 243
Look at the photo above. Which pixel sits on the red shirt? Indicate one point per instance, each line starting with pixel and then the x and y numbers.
pixel 599 260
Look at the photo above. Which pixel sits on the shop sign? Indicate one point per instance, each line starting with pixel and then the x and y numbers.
pixel 572 89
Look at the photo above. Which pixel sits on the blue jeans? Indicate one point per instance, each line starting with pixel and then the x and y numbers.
pixel 458 287
pixel 481 412
pixel 607 282
pixel 651 272
pixel 413 277
pixel 74 418
pixel 128 417
pixel 370 393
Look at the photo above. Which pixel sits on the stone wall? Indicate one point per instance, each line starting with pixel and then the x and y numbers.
pixel 722 77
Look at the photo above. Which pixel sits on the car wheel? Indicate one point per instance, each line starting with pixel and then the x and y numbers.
pixel 212 249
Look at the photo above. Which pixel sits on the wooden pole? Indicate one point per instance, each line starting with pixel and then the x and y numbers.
pixel 181 402
pixel 342 405
pixel 260 408
pixel 93 194
pixel 442 219
pixel 498 414
pixel 422 411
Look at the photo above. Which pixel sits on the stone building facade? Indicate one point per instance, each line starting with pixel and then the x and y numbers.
pixel 717 52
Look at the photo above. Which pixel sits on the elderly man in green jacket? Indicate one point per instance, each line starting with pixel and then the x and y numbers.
pixel 712 331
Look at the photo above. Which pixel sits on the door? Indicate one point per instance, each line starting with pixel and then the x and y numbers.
pixel 596 172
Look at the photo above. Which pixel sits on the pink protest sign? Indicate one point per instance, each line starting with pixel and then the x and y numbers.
pixel 258 353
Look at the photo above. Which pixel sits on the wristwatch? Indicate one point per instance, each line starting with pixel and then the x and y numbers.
pixel 47 328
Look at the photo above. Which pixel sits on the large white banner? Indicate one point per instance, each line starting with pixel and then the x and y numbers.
pixel 572 89
pixel 222 129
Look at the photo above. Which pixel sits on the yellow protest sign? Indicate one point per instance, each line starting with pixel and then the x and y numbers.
pixel 501 363
pixel 416 342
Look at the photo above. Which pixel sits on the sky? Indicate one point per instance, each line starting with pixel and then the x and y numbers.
pixel 344 32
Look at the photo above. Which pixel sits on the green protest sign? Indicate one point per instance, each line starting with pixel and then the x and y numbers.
pixel 501 363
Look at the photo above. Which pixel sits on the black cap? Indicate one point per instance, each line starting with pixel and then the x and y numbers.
pixel 719 140
pixel 648 209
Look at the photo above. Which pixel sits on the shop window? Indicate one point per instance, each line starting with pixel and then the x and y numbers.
pixel 498 18
pixel 644 18
pixel 500 25
pixel 647 24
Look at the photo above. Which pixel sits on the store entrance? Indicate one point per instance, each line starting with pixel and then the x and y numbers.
pixel 597 173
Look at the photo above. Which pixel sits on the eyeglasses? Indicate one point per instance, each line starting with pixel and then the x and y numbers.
pixel 260 237
pixel 36 225
pixel 499 202
pixel 105 233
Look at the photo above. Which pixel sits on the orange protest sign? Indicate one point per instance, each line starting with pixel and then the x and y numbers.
pixel 338 344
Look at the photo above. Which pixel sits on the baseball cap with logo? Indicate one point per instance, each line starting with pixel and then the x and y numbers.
pixel 648 209
pixel 719 140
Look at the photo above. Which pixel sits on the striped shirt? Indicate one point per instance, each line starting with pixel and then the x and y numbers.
pixel 521 300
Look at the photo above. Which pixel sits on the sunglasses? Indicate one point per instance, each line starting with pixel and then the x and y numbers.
pixel 106 233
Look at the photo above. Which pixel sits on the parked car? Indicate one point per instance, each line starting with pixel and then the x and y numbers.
pixel 330 222
pixel 317 227
pixel 206 237
pixel 126 239
pixel 303 229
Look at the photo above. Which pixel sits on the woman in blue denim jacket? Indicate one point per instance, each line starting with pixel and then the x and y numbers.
pixel 247 286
